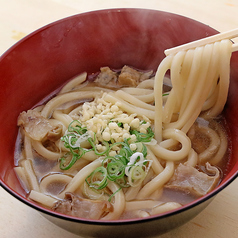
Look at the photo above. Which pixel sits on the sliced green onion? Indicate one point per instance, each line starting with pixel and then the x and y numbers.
pixel 75 157
pixel 98 178
pixel 143 137
pixel 165 94
pixel 95 149
pixel 110 198
pixel 141 147
pixel 120 124
pixel 137 172
pixel 115 167
pixel 136 176
pixel 76 126
pixel 115 170
pixel 122 182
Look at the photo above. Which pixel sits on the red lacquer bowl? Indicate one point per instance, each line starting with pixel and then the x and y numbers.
pixel 44 60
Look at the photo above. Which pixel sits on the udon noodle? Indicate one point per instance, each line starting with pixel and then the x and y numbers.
pixel 126 143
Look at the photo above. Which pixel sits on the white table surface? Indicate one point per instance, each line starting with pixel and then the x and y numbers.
pixel 20 17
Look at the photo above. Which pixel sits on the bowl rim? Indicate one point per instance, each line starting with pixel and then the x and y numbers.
pixel 49 212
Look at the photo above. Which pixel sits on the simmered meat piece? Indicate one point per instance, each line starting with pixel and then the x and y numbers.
pixel 55 133
pixel 106 77
pixel 187 178
pixel 38 127
pixel 129 77
pixel 79 207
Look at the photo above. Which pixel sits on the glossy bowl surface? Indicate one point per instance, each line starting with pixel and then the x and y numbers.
pixel 44 60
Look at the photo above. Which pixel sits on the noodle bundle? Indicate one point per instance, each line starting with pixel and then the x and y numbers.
pixel 123 145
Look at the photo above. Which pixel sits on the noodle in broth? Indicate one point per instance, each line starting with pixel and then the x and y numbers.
pixel 124 147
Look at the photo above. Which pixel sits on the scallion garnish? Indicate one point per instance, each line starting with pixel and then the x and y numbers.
pixel 143 137
pixel 74 157
pixel 74 136
pixel 92 143
pixel 127 168
pixel 98 178
pixel 165 94
pixel 110 198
